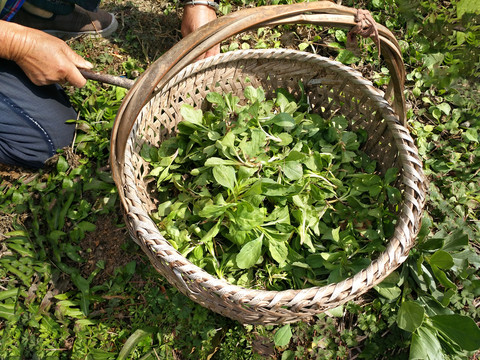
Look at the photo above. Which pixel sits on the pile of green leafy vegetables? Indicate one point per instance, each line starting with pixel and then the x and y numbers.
pixel 270 195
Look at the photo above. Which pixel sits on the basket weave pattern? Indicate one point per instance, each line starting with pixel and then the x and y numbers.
pixel 332 89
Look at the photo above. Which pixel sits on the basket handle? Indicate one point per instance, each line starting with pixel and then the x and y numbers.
pixel 192 46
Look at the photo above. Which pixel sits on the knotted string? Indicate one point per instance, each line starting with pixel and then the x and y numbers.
pixel 366 27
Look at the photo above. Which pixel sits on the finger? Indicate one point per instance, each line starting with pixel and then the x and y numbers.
pixel 213 51
pixel 77 60
pixel 75 78
pixel 201 57
pixel 210 52
pixel 81 63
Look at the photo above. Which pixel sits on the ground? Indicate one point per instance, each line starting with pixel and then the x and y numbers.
pixel 146 30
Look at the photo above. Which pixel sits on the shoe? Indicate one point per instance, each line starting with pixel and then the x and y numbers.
pixel 79 22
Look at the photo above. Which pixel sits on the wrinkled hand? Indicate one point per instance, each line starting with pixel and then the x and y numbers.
pixel 44 58
pixel 195 16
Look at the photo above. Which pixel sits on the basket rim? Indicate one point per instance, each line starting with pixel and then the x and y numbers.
pixel 380 267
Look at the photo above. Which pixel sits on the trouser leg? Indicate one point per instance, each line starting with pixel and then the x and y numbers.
pixel 32 119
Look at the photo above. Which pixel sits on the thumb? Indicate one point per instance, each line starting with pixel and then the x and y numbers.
pixel 74 77
pixel 79 61
pixel 83 64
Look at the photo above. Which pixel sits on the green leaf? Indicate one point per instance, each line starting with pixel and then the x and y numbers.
pixel 301 47
pixel 432 60
pixel 288 355
pixel 225 176
pixel 7 311
pixel 346 57
pixel 211 210
pixel 285 101
pixel 215 98
pixel 388 291
pixel 286 139
pixel 99 354
pixel 227 144
pixel 471 135
pixel 21 233
pixel 283 335
pixel 21 249
pixel 340 122
pixel 272 188
pixel 437 114
pixel 132 342
pixel 284 120
pixel 442 259
pixel 391 175
pixel 468 6
pixel 280 215
pixel 445 108
pixel 410 316
pixel 5 294
pixel 293 170
pixel 250 93
pixel 461 329
pixel 245 173
pixel 62 164
pixel 87 226
pixel 214 161
pixel 340 36
pixel 336 312
pixel 442 277
pixel 425 345
pixel 278 250
pixel 82 284
pixel 207 238
pixel 250 253
pixel 248 216
pixel 455 241
pixel 336 234
pixel 55 235
pixel 191 115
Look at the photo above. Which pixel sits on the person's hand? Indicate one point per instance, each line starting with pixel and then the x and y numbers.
pixel 195 16
pixel 45 59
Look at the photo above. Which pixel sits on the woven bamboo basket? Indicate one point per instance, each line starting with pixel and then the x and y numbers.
pixel 151 111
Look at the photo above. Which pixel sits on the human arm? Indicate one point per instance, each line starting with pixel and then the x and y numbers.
pixel 44 58
pixel 195 16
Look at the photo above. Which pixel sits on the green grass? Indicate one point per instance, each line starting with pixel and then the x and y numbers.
pixel 62 297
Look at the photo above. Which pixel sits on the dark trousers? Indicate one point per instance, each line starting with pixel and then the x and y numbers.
pixel 32 119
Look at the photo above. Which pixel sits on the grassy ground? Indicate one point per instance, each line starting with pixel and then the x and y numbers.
pixel 73 285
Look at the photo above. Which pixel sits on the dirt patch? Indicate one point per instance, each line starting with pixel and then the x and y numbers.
pixel 145 31
pixel 10 174
pixel 107 244
pixel 6 225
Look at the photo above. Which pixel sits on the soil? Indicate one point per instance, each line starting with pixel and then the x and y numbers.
pixel 146 30
pixel 107 243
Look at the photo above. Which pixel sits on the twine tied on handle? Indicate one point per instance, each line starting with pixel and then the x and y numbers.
pixel 366 27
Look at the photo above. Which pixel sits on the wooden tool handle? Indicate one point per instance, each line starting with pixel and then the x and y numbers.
pixel 108 79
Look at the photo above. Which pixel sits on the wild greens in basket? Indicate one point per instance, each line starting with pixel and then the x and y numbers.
pixel 269 195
